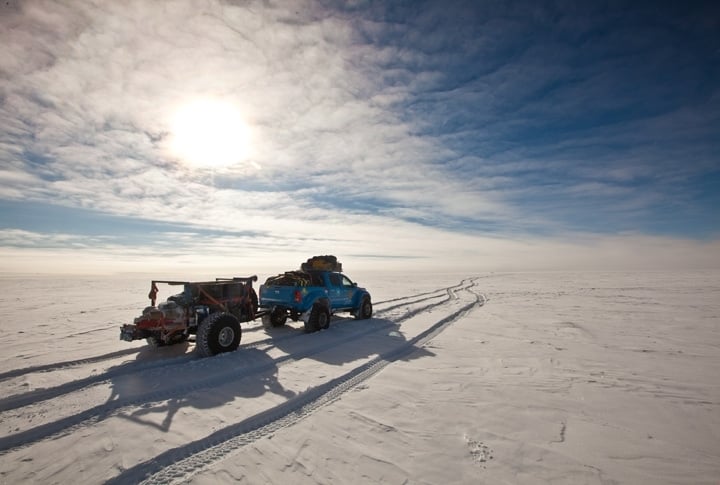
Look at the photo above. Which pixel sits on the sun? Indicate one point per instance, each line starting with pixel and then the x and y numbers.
pixel 209 133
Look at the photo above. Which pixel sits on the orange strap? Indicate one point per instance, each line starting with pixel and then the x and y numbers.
pixel 212 299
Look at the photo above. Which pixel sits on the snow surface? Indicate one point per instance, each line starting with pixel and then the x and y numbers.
pixel 490 378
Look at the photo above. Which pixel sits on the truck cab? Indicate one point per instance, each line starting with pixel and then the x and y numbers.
pixel 341 289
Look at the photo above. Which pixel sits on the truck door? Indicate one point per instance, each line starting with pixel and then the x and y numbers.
pixel 336 290
pixel 348 291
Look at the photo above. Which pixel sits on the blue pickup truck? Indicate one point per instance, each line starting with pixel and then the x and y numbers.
pixel 312 296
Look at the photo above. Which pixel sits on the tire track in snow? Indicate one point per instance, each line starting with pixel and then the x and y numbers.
pixel 180 464
pixel 66 364
pixel 449 295
pixel 424 294
pixel 440 292
pixel 32 397
pixel 103 411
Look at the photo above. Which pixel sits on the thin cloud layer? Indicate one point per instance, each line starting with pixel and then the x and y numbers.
pixel 379 130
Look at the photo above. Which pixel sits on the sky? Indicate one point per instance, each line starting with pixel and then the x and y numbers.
pixel 483 135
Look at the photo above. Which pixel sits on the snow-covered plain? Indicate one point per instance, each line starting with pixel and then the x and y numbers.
pixel 459 378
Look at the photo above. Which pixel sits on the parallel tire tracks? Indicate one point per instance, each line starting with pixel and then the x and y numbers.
pixel 179 464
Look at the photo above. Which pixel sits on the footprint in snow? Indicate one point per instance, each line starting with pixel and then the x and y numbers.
pixel 479 451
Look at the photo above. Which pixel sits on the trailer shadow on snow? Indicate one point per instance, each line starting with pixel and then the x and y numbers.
pixel 250 373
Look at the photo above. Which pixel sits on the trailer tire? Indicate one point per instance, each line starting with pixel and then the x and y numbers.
pixel 178 338
pixel 218 333
pixel 365 309
pixel 154 342
pixel 276 318
pixel 319 318
pixel 254 301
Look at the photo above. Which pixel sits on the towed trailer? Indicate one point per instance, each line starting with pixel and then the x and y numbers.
pixel 210 310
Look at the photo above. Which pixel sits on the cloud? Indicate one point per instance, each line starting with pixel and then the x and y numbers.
pixel 312 128
pixel 379 129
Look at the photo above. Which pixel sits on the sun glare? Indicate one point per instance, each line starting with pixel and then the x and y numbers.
pixel 210 134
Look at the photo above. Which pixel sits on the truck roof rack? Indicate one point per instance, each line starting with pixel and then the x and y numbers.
pixel 321 263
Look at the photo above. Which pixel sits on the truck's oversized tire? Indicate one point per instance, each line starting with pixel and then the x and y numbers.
pixel 219 332
pixel 276 318
pixel 365 309
pixel 319 318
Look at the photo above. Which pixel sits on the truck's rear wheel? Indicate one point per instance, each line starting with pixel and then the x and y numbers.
pixel 319 318
pixel 276 318
pixel 219 332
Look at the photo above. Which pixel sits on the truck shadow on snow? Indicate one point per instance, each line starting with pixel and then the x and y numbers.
pixel 246 374
pixel 348 340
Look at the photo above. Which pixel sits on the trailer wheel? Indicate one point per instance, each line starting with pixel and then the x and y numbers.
pixel 155 342
pixel 319 318
pixel 254 301
pixel 219 332
pixel 365 310
pixel 275 318
pixel 178 338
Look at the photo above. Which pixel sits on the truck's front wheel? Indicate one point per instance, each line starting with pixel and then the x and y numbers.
pixel 220 332
pixel 365 310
